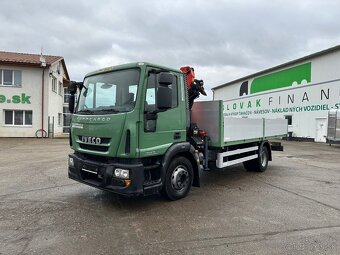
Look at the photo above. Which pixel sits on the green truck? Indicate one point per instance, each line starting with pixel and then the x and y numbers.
pixel 133 133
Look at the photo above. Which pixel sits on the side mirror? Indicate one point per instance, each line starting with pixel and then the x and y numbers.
pixel 72 88
pixel 71 103
pixel 165 79
pixel 164 98
pixel 74 85
pixel 164 92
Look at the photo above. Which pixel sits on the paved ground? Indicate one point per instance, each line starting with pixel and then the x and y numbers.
pixel 292 208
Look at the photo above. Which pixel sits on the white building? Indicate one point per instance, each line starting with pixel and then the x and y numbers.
pixel 32 94
pixel 301 91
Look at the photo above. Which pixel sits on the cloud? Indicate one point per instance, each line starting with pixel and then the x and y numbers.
pixel 223 40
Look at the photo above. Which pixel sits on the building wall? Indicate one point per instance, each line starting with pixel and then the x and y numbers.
pixel 30 94
pixel 55 99
pixel 305 91
pixel 30 99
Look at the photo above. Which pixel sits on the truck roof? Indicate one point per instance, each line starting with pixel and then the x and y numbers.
pixel 130 65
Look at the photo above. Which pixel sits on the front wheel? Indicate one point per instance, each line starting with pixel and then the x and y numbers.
pixel 178 179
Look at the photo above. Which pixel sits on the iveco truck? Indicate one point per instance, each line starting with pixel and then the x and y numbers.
pixel 133 133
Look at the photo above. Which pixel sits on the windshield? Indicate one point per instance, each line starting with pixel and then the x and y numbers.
pixel 111 92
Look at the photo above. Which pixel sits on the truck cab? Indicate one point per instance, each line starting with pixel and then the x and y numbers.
pixel 127 125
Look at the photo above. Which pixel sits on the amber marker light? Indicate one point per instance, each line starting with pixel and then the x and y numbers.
pixel 127 183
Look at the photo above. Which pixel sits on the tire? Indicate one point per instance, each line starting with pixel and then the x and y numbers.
pixel 178 179
pixel 258 164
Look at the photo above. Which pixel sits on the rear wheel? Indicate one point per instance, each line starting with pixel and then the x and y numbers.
pixel 178 179
pixel 258 164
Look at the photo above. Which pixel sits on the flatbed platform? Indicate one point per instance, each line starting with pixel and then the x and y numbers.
pixel 225 131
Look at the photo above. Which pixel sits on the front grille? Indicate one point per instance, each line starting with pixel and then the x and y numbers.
pixel 96 158
pixel 93 147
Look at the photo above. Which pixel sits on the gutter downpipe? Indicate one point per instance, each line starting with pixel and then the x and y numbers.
pixel 43 66
pixel 42 98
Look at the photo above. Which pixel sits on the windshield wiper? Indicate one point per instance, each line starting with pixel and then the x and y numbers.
pixel 98 111
pixel 107 110
pixel 85 111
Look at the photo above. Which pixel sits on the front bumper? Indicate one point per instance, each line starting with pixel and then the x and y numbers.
pixel 101 175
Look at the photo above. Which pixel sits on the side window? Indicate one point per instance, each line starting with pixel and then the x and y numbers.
pixel 133 90
pixel 150 97
pixel 174 87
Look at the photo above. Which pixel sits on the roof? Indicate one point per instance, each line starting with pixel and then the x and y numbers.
pixel 317 54
pixel 26 59
pixel 131 65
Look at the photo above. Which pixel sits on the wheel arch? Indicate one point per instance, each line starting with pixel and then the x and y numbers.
pixel 186 150
pixel 267 145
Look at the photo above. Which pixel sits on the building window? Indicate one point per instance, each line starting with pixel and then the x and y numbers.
pixel 10 77
pixel 60 119
pixel 66 120
pixel 54 84
pixel 290 119
pixel 66 96
pixel 59 67
pixel 18 118
pixel 60 88
pixel 17 78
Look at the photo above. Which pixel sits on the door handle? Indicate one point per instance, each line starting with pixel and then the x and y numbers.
pixel 177 135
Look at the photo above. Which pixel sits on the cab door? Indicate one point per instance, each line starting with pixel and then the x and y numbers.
pixel 160 129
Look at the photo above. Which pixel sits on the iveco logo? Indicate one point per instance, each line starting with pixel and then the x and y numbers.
pixel 91 139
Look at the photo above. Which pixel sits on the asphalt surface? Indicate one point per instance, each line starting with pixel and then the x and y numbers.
pixel 292 208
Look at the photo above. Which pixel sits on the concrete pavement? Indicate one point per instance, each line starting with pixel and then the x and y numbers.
pixel 292 208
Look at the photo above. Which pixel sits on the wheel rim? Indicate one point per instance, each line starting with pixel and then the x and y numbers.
pixel 263 158
pixel 180 178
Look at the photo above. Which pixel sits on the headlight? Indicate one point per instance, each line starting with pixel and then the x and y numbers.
pixel 70 162
pixel 122 173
